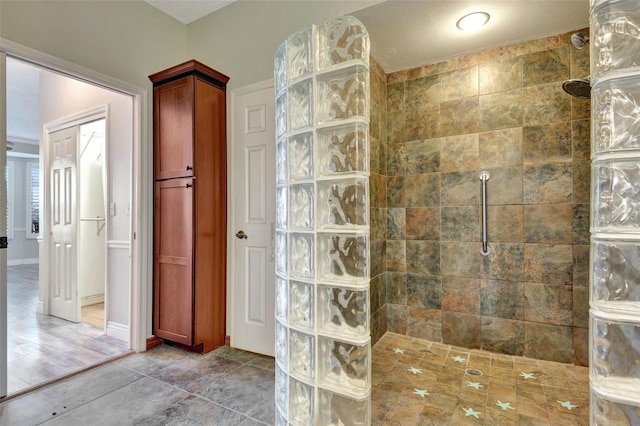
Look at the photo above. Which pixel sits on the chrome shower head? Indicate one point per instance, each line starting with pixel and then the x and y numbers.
pixel 578 87
pixel 579 40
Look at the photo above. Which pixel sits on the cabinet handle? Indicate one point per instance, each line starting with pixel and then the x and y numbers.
pixel 189 168
pixel 188 185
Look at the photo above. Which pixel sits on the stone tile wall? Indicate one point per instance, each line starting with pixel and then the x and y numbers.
pixel 503 111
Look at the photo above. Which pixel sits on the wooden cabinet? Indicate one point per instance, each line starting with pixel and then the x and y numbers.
pixel 190 209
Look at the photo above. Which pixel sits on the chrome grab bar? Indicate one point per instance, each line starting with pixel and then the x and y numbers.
pixel 484 177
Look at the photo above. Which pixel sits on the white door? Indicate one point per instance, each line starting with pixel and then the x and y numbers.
pixel 63 219
pixel 253 216
pixel 3 228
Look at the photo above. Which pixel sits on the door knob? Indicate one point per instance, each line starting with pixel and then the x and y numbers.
pixel 241 235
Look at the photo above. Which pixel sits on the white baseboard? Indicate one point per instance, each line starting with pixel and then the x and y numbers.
pixel 92 300
pixel 14 262
pixel 118 331
pixel 40 307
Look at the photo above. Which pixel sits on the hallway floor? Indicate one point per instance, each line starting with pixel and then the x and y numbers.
pixel 427 384
pixel 41 347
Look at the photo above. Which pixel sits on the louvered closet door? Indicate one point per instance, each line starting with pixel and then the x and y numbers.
pixel 173 255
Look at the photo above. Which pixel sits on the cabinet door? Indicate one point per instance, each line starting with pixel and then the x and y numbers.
pixel 173 315
pixel 173 111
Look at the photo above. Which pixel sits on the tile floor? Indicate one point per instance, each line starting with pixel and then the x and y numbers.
pixel 414 382
pixel 41 347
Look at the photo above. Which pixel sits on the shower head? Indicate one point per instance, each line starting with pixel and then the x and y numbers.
pixel 578 87
pixel 579 40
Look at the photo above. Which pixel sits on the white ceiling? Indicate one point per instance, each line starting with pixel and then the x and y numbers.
pixel 404 34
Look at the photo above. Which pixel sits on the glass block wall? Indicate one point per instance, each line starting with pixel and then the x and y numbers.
pixel 323 345
pixel 615 218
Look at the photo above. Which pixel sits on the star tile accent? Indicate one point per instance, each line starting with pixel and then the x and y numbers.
pixel 399 351
pixel 458 358
pixel 471 412
pixel 474 385
pixel 415 370
pixel 504 405
pixel 420 392
pixel 526 376
pixel 566 404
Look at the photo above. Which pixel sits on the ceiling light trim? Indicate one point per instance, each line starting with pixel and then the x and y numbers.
pixel 473 21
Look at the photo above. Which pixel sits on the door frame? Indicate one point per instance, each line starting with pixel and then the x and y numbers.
pixel 231 188
pixel 141 231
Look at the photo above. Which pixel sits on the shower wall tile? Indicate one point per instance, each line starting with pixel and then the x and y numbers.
pixel 501 148
pixel 580 266
pixel 502 110
pixel 423 123
pixel 548 263
pixel 396 255
pixel 545 66
pixel 395 127
pixel 421 157
pixel 548 342
pixel 502 336
pixel 548 223
pixel 581 140
pixel 581 222
pixel 581 346
pixel 395 191
pixel 422 190
pixel 422 223
pixel 376 290
pixel 580 109
pixel 549 304
pixel 506 262
pixel 460 153
pixel 397 318
pixel 502 299
pixel 397 288
pixel 581 181
pixel 460 188
pixel 461 294
pixel 460 329
pixel 460 223
pixel 500 76
pixel 423 257
pixel 509 186
pixel 548 183
pixel 395 97
pixel 424 323
pixel 424 291
pixel 396 223
pixel 460 259
pixel 544 104
pixel 549 143
pixel 459 117
pixel 422 91
pixel 459 84
pixel 580 63
pixel 506 223
pixel 581 307
pixel 377 191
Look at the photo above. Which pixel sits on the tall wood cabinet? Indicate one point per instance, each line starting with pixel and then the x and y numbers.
pixel 190 211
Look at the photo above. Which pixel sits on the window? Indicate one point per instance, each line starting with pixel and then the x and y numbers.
pixel 10 207
pixel 33 200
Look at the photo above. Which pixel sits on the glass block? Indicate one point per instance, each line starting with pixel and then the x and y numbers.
pixel 281 207
pixel 342 40
pixel 281 115
pixel 301 157
pixel 300 105
pixel 281 252
pixel 616 195
pixel 343 94
pixel 301 255
pixel 280 67
pixel 343 257
pixel 337 410
pixel 300 403
pixel 301 205
pixel 608 412
pixel 344 366
pixel 281 389
pixel 301 302
pixel 616 124
pixel 282 169
pixel 615 34
pixel 302 354
pixel 300 54
pixel 282 296
pixel 281 419
pixel 343 149
pixel 614 355
pixel 343 203
pixel 281 344
pixel 615 277
pixel 343 312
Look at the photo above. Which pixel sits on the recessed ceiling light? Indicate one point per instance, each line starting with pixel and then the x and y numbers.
pixel 473 21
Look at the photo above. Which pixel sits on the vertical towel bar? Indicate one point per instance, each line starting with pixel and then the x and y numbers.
pixel 484 177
